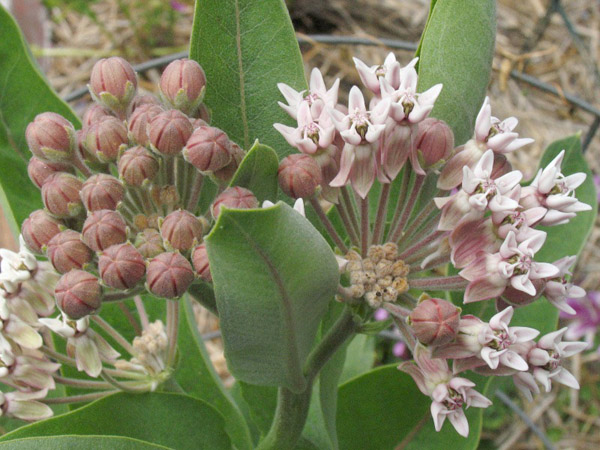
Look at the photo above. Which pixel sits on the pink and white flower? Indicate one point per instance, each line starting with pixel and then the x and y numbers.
pixel 558 289
pixel 389 70
pixel 449 394
pixel 310 134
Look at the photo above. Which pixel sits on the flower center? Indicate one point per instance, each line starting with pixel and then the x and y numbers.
pixel 454 401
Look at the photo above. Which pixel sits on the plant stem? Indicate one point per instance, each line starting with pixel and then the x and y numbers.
pixel 114 334
pixel 349 205
pixel 121 295
pixel 192 203
pixel 172 329
pixel 453 283
pixel 328 225
pixel 352 232
pixel 364 226
pixel 77 398
pixel 130 317
pixel 121 386
pixel 141 309
pixel 408 208
pixel 381 213
pixel 407 178
pixel 79 164
pixel 419 245
pixel 292 408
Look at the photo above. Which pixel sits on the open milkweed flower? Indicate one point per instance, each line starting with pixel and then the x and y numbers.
pixel 558 289
pixel 87 347
pixel 545 361
pixel 23 405
pixel 360 129
pixel 318 97
pixel 555 192
pixel 449 394
pixel 390 70
pixel 310 134
pixel 490 274
pixel 490 133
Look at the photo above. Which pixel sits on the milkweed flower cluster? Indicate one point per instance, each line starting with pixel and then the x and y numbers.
pixel 482 220
pixel 127 201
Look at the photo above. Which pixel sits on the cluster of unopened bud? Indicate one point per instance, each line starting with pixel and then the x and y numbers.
pixel 379 277
pixel 121 196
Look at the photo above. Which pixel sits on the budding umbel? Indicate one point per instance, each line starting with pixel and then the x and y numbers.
pixel 51 137
pixel 236 198
pixel 208 149
pixel 38 229
pixel 181 230
pixel 104 228
pixel 169 275
pixel 149 243
pixel 299 176
pixel 60 194
pixel 182 85
pixel 201 264
pixel 121 266
pixel 434 142
pixel 78 294
pixel 435 321
pixel 137 165
pixel 169 132
pixel 113 83
pixel 39 170
pixel 101 191
pixel 104 139
pixel 66 251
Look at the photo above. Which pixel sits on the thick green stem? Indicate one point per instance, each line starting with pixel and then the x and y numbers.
pixel 292 408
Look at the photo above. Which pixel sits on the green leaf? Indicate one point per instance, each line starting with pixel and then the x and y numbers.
pixel 246 47
pixel 457 49
pixel 258 172
pixel 24 93
pixel 172 420
pixel 272 298
pixel 360 357
pixel 79 442
pixel 378 409
pixel 196 375
pixel 261 401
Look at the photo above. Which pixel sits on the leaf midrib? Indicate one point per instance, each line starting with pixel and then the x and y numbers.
pixel 292 356
pixel 238 40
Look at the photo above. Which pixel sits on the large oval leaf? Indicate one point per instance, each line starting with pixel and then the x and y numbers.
pixel 457 49
pixel 274 275
pixel 246 47
pixel 79 442
pixel 24 93
pixel 172 420
pixel 258 172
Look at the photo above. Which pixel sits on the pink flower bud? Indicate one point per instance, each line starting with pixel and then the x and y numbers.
pixel 236 198
pixel 435 321
pixel 169 132
pixel 208 149
pixel 501 166
pixel 140 100
pixel 104 139
pixel 101 191
pixel 137 165
pixel 182 85
pixel 181 230
pixel 149 243
pixel 104 228
pixel 113 83
pixel 78 294
pixel 138 122
pixel 38 229
pixel 517 298
pixel 299 176
pixel 60 194
pixel 169 275
pixel 95 113
pixel 121 266
pixel 434 141
pixel 39 170
pixel 66 251
pixel 51 137
pixel 226 174
pixel 200 262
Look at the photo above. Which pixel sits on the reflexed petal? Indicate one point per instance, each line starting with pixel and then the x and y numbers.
pixel 565 377
pixel 438 412
pixel 87 356
pixel 483 123
pixel 513 360
pixel 482 289
pixel 459 421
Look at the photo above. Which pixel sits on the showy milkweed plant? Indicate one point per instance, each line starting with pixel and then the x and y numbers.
pixel 404 200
